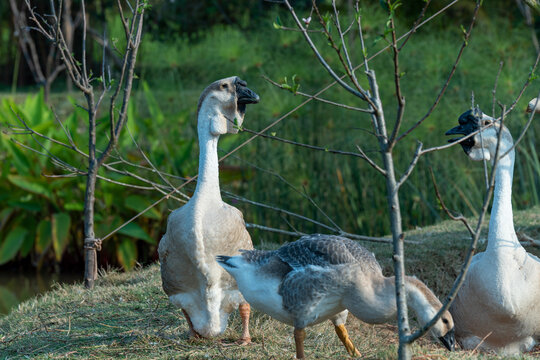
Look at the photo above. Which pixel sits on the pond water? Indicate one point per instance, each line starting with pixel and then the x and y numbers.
pixel 16 286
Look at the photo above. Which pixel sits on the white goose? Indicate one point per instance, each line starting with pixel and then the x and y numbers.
pixel 534 105
pixel 320 277
pixel 206 226
pixel 498 306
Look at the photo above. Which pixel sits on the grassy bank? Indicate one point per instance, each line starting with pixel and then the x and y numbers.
pixel 128 316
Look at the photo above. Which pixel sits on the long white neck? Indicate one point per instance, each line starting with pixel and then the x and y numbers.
pixel 379 305
pixel 501 233
pixel 421 299
pixel 208 180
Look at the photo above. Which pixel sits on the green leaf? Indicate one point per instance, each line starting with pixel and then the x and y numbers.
pixel 138 203
pixel 534 4
pixel 30 185
pixel 134 230
pixel 12 244
pixel 8 300
pixel 277 24
pixel 19 160
pixel 126 252
pixel 74 206
pixel 153 107
pixel 60 231
pixel 28 242
pixel 43 235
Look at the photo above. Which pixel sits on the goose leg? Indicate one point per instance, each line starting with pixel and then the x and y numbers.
pixel 299 336
pixel 244 315
pixel 343 335
pixel 193 335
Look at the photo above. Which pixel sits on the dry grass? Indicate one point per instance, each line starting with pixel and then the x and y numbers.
pixel 128 316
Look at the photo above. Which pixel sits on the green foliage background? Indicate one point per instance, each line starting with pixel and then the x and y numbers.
pixel 41 217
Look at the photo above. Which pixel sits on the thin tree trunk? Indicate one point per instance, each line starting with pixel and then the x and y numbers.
pixel 404 352
pixel 90 243
pixel 398 258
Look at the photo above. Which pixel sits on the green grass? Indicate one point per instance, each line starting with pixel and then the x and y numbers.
pixel 128 316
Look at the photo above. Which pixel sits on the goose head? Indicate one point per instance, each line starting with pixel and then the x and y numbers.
pixel 444 331
pixel 224 104
pixel 534 105
pixel 483 144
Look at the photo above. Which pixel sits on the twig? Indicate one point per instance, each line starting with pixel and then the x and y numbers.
pixel 450 75
pixel 450 215
pixel 318 98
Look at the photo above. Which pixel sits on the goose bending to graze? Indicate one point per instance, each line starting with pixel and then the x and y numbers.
pixel 320 277
pixel 206 226
pixel 498 305
pixel 534 105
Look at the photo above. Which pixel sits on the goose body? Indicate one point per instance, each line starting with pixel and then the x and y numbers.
pixel 206 226
pixel 498 306
pixel 322 277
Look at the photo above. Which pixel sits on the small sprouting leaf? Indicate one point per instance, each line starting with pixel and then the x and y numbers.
pixel 533 75
pixel 464 34
pixel 277 24
pixel 273 133
pixel 237 124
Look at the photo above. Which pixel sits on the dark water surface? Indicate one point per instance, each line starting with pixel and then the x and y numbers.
pixel 16 286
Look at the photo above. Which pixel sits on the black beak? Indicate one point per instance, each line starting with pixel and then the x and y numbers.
pixel 458 130
pixel 245 95
pixel 449 340
pixel 222 259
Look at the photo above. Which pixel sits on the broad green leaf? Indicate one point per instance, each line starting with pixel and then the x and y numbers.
pixel 134 230
pixel 138 203
pixel 12 243
pixel 5 213
pixel 153 107
pixel 19 160
pixel 26 205
pixel 28 243
pixel 126 253
pixel 43 235
pixel 74 206
pixel 8 300
pixel 30 185
pixel 60 231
